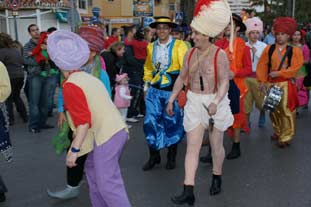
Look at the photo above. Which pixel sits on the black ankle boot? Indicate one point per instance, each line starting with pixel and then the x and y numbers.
pixel 171 157
pixel 216 185
pixel 208 158
pixel 154 159
pixel 235 151
pixel 187 197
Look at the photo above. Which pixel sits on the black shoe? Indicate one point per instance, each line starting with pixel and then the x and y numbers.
pixel 216 185
pixel 187 197
pixel 2 197
pixel 34 130
pixel 47 126
pixel 235 152
pixel 151 163
pixel 154 159
pixel 171 157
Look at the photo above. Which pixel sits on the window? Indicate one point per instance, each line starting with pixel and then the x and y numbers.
pixel 172 7
pixel 82 4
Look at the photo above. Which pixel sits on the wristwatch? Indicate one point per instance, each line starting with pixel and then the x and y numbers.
pixel 74 150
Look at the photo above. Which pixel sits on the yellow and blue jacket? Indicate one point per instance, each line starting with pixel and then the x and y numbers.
pixel 164 79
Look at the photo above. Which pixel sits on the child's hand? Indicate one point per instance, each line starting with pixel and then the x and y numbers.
pixel 29 53
pixel 43 46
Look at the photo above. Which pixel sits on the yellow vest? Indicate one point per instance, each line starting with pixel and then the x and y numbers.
pixel 177 58
pixel 105 118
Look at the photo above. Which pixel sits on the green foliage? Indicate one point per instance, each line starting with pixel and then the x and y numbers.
pixel 272 9
pixel 277 8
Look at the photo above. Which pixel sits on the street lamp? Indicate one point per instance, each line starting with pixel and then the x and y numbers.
pixel 14 5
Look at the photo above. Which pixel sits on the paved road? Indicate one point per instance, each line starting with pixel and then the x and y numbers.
pixel 265 176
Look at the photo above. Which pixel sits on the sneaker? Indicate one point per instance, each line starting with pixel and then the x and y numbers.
pixel 140 116
pixel 132 120
pixel 68 193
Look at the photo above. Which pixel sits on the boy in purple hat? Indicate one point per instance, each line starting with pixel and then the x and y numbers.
pixel 101 137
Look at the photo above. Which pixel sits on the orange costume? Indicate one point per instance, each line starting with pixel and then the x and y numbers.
pixel 241 66
pixel 284 117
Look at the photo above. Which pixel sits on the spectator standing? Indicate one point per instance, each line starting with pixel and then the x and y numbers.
pixel 38 86
pixel 12 58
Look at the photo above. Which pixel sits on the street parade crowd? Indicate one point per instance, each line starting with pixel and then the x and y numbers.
pixel 184 82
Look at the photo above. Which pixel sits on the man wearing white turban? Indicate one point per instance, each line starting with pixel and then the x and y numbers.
pixel 253 32
pixel 206 71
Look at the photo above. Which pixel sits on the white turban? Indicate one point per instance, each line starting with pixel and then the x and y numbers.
pixel 211 17
pixel 67 50
pixel 253 24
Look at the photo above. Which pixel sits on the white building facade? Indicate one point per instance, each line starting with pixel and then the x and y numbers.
pixel 45 15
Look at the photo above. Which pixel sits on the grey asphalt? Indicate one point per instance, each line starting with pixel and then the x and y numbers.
pixel 265 176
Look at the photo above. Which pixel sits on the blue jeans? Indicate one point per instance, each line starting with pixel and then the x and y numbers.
pixel 54 82
pixel 38 89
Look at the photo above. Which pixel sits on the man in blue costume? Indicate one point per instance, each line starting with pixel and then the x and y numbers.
pixel 164 61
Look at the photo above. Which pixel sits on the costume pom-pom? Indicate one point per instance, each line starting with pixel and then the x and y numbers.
pixel 200 4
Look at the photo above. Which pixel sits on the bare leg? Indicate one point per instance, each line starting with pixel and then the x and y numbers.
pixel 194 142
pixel 218 151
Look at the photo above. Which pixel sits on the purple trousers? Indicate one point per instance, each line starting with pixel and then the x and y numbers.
pixel 103 173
